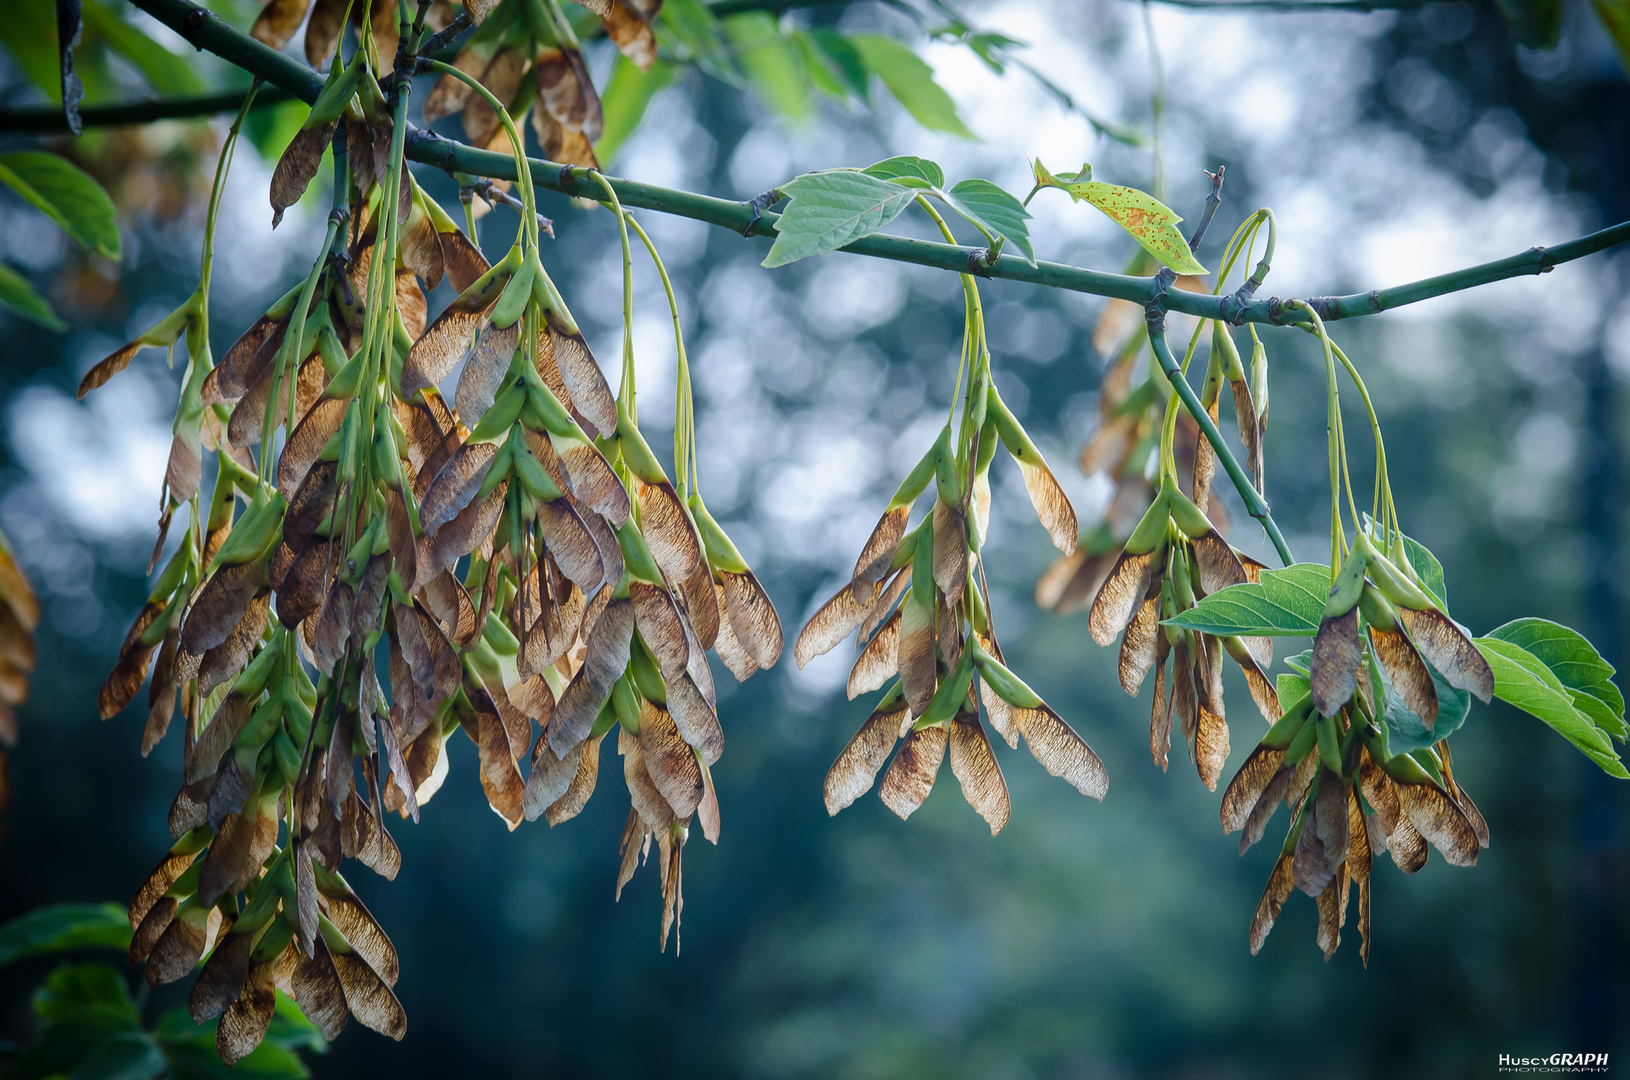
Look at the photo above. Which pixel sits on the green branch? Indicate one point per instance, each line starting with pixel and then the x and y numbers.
pixel 1255 505
pixel 205 30
pixel 49 118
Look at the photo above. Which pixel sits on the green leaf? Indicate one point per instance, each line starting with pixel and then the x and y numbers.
pixel 771 63
pixel 845 59
pixel 908 171
pixel 1524 680
pixel 831 209
pixel 129 1055
pixel 1286 603
pixel 63 927
pixel 1151 222
pixel 67 1042
pixel 29 32
pixel 1292 686
pixel 689 31
pixel 67 194
pixel 627 95
pixel 910 80
pixel 820 72
pixel 1577 666
pixel 1405 730
pixel 18 295
pixel 994 210
pixel 74 987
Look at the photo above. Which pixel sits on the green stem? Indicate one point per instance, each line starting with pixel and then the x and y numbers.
pixel 1254 504
pixel 684 407
pixel 627 390
pixel 529 223
pixel 738 215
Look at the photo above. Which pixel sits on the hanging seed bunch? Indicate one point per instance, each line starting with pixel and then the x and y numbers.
pixel 918 603
pixel 1175 557
pixel 1387 658
pixel 513 561
pixel 1357 746
pixel 1134 412
pixel 19 615
pixel 528 57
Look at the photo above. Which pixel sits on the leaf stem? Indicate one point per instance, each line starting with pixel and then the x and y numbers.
pixel 1254 503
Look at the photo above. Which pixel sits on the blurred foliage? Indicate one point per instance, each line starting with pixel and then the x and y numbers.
pixel 1087 941
pixel 88 1025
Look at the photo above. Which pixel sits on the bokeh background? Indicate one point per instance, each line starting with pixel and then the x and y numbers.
pixel 1087 941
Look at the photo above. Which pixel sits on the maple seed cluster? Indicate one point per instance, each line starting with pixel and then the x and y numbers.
pixel 516 565
pixel 917 602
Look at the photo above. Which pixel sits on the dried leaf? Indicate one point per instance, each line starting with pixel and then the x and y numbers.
pixel 300 160
pixel 835 620
pixel 1446 646
pixel 855 769
pixel 1407 672
pixel 911 774
pixel 584 380
pixel 1061 751
pixel 1336 652
pixel 753 620
pixel 974 765
pixel 1052 505
pixel 1280 883
pixel 878 661
pixel 1120 596
pixel 369 999
pixel 220 606
pixel 1138 646
pixel 605 657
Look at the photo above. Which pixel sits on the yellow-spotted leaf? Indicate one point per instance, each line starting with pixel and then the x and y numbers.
pixel 1151 222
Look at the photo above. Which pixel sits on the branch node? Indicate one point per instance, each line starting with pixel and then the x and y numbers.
pixel 191 24
pixel 980 262
pixel 564 180
pixel 760 204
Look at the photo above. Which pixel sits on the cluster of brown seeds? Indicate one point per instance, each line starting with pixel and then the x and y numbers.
pixel 515 564
pixel 917 604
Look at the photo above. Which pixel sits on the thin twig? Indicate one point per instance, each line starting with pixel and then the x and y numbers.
pixel 491 193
